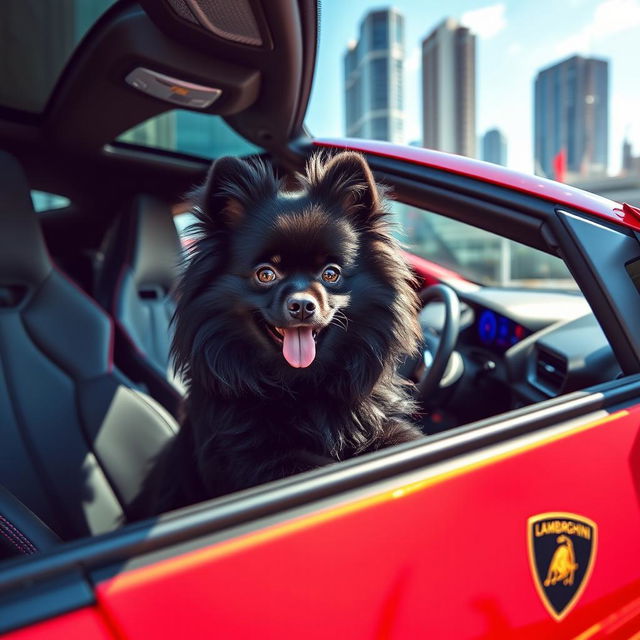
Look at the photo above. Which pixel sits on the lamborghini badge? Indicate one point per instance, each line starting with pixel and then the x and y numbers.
pixel 562 549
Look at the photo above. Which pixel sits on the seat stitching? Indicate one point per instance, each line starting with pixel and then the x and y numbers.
pixel 14 535
pixel 14 542
pixel 12 539
pixel 17 531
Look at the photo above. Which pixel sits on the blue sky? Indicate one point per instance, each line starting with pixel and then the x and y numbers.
pixel 516 38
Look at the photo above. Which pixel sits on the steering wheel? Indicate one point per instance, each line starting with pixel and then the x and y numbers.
pixel 440 347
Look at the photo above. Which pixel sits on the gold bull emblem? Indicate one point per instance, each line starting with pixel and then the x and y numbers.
pixel 562 548
pixel 563 563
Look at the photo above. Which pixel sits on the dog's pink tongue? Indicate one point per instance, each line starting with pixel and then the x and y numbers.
pixel 299 347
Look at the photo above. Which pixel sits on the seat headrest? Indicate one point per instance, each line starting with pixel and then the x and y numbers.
pixel 23 254
pixel 155 246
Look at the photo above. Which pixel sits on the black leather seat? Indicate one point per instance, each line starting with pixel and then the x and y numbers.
pixel 22 533
pixel 142 253
pixel 76 440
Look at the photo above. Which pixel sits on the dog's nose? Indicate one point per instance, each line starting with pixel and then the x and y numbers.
pixel 301 307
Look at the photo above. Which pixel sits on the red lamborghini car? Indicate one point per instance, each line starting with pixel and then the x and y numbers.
pixel 518 515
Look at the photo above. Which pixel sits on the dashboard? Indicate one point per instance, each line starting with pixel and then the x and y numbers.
pixel 495 331
pixel 518 347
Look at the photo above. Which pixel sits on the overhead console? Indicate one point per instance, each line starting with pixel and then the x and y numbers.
pixel 174 90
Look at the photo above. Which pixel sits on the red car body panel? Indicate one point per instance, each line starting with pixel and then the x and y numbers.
pixel 561 194
pixel 442 556
pixel 83 624
pixel 431 272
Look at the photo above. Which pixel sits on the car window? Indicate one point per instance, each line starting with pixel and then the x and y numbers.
pixel 36 41
pixel 478 255
pixel 43 201
pixel 198 134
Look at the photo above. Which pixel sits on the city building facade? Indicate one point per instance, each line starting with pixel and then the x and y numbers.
pixel 571 119
pixel 494 147
pixel 449 89
pixel 373 76
pixel 630 163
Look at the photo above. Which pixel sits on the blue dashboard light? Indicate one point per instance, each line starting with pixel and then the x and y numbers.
pixel 487 327
pixel 504 331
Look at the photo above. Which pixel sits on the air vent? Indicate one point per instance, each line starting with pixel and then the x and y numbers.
pixel 550 372
pixel 233 20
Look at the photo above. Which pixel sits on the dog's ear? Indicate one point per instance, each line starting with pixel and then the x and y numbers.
pixel 347 181
pixel 218 200
pixel 231 187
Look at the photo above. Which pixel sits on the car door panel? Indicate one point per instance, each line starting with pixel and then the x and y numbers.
pixel 437 553
pixel 82 624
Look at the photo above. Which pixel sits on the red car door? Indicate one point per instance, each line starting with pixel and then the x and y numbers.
pixel 445 549
pixel 523 525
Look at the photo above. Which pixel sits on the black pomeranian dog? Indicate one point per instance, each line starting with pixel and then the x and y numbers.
pixel 293 312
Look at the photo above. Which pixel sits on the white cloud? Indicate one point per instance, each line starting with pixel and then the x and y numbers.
pixel 486 22
pixel 609 18
pixel 613 16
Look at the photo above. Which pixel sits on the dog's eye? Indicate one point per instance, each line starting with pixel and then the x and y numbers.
pixel 331 274
pixel 266 275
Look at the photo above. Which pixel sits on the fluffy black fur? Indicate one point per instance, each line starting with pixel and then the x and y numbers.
pixel 250 416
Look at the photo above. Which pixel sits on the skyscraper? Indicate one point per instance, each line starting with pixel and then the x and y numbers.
pixel 449 89
pixel 373 69
pixel 494 147
pixel 627 156
pixel 572 117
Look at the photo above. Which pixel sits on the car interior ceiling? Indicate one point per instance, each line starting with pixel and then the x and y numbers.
pixel 121 198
